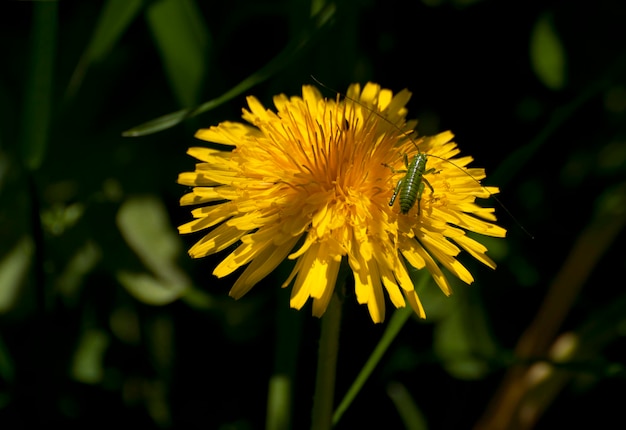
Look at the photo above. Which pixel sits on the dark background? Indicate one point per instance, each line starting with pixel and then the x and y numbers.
pixel 105 320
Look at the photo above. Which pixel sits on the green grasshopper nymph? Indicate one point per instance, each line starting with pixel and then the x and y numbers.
pixel 410 188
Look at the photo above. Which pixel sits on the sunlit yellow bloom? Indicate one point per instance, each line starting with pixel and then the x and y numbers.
pixel 311 182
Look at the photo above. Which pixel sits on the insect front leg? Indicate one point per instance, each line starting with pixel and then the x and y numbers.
pixel 431 170
pixel 406 164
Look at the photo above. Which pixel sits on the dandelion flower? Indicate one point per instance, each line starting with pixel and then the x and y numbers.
pixel 311 182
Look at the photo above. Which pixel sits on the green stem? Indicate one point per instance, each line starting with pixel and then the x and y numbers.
pixel 326 367
pixel 399 318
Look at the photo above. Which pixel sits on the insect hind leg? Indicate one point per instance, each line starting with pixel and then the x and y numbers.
pixel 432 190
pixel 395 192
pixel 421 188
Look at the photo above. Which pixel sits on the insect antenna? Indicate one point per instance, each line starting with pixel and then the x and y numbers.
pixel 407 135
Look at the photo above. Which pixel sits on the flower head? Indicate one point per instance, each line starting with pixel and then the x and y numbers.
pixel 312 181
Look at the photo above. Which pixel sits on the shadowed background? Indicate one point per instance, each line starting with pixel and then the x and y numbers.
pixel 105 320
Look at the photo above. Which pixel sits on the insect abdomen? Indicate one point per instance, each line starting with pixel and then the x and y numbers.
pixel 410 190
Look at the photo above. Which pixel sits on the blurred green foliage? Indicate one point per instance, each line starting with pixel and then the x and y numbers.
pixel 104 320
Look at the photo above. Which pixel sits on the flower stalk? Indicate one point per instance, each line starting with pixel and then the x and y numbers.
pixel 323 399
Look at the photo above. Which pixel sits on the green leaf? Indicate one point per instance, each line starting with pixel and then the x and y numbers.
pixel 145 226
pixel 59 218
pixel 78 267
pixel 199 299
pixel 115 18
pixel 183 42
pixel 463 340
pixel 166 121
pixel 321 21
pixel 158 124
pixel 412 416
pixel 37 112
pixel 547 54
pixel 148 289
pixel 144 223
pixel 13 270
pixel 87 365
pixel 7 366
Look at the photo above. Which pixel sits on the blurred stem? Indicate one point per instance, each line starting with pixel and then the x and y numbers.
pixel 326 366
pixel 37 107
pixel 38 238
pixel 398 320
pixel 280 391
pixel 506 409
